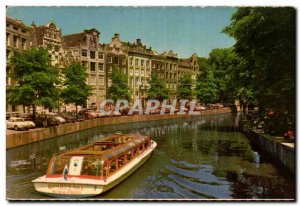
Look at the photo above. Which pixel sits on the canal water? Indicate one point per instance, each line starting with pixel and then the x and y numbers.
pixel 196 158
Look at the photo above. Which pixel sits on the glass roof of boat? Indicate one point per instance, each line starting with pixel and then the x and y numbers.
pixel 110 147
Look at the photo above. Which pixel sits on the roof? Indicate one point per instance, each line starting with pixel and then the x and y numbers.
pixel 121 143
pixel 74 39
pixel 169 54
pixel 17 22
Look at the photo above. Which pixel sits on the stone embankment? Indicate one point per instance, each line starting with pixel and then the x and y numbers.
pixel 15 139
pixel 279 149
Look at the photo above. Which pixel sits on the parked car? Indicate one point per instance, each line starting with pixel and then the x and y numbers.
pixel 18 123
pixel 12 114
pixel 199 108
pixel 181 109
pixel 89 114
pixel 125 111
pixel 46 120
pixel 101 114
pixel 69 117
pixel 153 111
pixel 80 117
pixel 212 106
pixel 58 117
pixel 116 113
pixel 219 105
pixel 27 117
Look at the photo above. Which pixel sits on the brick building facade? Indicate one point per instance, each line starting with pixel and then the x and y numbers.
pixel 134 59
pixel 17 38
pixel 85 48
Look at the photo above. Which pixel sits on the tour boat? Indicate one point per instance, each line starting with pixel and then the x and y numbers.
pixel 93 169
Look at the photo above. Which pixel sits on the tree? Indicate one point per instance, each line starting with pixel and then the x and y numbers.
pixel 75 91
pixel 215 81
pixel 119 87
pixel 157 89
pixel 185 87
pixel 266 45
pixel 35 80
pixel 206 89
pixel 222 62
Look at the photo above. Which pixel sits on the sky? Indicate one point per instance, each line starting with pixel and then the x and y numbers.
pixel 185 30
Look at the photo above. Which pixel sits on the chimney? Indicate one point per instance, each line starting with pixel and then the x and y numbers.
pixel 138 41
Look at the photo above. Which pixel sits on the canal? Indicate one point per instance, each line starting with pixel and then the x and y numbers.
pixel 196 158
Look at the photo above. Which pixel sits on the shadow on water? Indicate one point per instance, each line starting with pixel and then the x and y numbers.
pixel 196 158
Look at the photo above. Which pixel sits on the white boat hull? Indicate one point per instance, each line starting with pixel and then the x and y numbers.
pixel 75 187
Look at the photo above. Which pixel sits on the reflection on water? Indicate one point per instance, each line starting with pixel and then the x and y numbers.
pixel 195 159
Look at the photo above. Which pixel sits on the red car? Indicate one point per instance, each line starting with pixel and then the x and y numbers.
pixel 89 114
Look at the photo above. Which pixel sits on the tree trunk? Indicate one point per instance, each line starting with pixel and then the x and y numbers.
pixel 76 108
pixel 33 111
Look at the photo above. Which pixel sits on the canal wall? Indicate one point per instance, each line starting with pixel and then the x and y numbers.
pixel 15 139
pixel 277 148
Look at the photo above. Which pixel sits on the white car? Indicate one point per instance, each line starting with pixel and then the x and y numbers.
pixel 116 113
pixel 60 119
pixel 18 123
pixel 101 114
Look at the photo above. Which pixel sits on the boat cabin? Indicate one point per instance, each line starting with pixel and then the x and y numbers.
pixel 100 159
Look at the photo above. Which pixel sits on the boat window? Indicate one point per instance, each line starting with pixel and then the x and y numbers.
pixel 121 161
pixel 90 166
pixel 129 155
pixel 59 164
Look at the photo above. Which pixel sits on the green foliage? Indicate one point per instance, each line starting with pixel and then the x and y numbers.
pixel 157 89
pixel 266 45
pixel 119 87
pixel 36 79
pixel 214 83
pixel 185 87
pixel 76 90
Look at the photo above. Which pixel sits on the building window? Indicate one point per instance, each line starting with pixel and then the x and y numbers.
pixel 147 63
pixel 7 54
pixel 142 63
pixel 124 61
pixel 7 39
pixel 49 46
pixel 56 48
pixel 92 54
pixel 92 80
pixel 101 80
pixel 100 56
pixel 15 39
pixel 101 67
pixel 84 64
pixel 109 59
pixel 84 53
pixel 15 28
pixel 93 67
pixel 131 61
pixel 23 43
pixel 116 60
pixel 24 31
pixel 136 62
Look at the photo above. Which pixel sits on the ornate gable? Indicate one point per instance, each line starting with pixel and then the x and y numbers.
pixel 116 46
